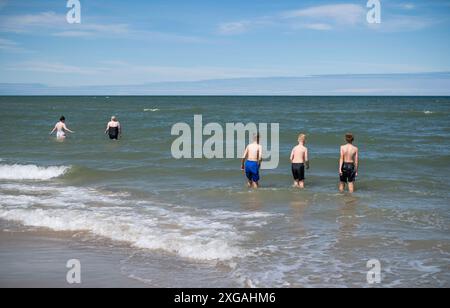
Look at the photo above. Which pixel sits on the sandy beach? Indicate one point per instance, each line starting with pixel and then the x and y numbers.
pixel 38 260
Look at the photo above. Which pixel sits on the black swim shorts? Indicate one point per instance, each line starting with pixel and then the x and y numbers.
pixel 298 171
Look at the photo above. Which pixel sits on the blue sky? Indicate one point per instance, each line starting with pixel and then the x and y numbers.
pixel 119 43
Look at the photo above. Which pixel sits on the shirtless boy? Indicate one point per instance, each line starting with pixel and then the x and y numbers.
pixel 251 162
pixel 348 164
pixel 300 159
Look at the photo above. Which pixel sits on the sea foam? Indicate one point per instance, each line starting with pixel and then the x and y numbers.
pixel 198 234
pixel 31 172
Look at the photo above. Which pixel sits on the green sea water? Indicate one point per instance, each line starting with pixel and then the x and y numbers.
pixel 197 218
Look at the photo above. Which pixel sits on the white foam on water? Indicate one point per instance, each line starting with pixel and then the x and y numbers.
pixel 30 172
pixel 197 235
pixel 151 110
pixel 428 112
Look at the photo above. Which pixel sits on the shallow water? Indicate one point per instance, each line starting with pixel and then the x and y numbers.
pixel 196 220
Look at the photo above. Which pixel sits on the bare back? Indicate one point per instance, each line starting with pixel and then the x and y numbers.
pixel 299 154
pixel 254 152
pixel 114 124
pixel 349 153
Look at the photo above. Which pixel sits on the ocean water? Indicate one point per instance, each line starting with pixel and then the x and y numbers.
pixel 193 223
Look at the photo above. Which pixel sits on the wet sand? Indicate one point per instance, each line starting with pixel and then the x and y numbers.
pixel 38 260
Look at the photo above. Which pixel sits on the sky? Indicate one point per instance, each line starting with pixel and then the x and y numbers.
pixel 147 41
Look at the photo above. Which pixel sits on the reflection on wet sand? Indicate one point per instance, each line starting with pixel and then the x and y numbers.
pixel 253 202
pixel 348 220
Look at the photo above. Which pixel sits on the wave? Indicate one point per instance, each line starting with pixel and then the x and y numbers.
pixel 151 110
pixel 31 172
pixel 197 234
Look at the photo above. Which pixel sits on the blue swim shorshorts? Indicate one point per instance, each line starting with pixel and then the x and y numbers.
pixel 252 171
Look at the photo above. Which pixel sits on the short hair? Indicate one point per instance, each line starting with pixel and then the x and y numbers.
pixel 62 118
pixel 349 137
pixel 113 118
pixel 302 137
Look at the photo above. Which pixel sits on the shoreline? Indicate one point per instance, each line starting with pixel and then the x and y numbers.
pixel 38 260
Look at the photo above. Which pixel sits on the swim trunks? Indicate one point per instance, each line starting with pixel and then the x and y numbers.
pixel 348 173
pixel 298 171
pixel 252 171
pixel 114 133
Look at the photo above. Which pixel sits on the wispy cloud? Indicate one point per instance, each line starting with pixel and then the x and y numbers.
pixel 330 17
pixel 317 26
pixel 405 6
pixel 344 14
pixel 400 23
pixel 31 22
pixel 122 72
pixel 54 68
pixel 10 46
pixel 50 23
pixel 237 27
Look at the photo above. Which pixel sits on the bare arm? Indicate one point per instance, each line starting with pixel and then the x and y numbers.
pixel 357 161
pixel 292 155
pixel 307 159
pixel 341 161
pixel 260 155
pixel 244 158
pixel 107 128
pixel 66 129
pixel 53 130
pixel 120 129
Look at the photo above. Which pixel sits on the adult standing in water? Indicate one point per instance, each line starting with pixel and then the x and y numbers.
pixel 61 129
pixel 114 129
pixel 348 164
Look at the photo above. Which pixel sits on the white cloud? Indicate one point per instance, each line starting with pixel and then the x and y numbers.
pixel 50 23
pixel 331 17
pixel 343 14
pixel 318 26
pixel 30 22
pixel 320 18
pixel 406 6
pixel 232 28
pixel 399 23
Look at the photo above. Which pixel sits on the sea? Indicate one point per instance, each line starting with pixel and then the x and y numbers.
pixel 194 223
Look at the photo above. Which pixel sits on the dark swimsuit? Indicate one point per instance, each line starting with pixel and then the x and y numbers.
pixel 298 171
pixel 348 173
pixel 114 133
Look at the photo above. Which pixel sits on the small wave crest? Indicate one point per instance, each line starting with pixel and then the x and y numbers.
pixel 151 110
pixel 31 172
pixel 144 224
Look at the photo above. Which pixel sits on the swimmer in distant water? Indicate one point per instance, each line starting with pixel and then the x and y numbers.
pixel 348 164
pixel 251 162
pixel 114 129
pixel 61 129
pixel 300 160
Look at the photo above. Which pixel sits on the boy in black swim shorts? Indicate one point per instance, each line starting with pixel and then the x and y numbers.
pixel 348 164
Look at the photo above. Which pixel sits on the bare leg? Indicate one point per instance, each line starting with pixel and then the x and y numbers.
pixel 255 185
pixel 341 186
pixel 295 184
pixel 351 187
pixel 249 184
pixel 301 184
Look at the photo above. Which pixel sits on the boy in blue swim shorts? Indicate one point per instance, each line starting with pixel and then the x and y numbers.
pixel 251 162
